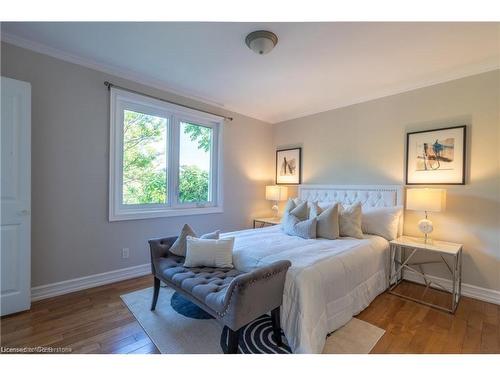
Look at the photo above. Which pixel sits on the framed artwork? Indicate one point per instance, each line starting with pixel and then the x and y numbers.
pixel 436 157
pixel 288 166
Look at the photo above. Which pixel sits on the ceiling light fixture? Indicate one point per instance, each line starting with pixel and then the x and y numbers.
pixel 261 41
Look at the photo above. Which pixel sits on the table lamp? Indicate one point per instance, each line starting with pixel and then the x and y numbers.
pixel 276 193
pixel 427 200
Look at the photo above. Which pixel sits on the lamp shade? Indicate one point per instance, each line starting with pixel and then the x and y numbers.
pixel 276 193
pixel 433 200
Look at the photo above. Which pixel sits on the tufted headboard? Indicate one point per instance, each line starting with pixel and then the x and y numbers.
pixel 368 195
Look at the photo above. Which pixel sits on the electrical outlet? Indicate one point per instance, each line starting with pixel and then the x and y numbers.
pixel 125 252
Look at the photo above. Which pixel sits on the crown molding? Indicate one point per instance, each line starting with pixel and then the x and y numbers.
pixel 163 86
pixel 115 71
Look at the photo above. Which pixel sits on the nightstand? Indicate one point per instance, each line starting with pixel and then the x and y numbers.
pixel 404 248
pixel 266 221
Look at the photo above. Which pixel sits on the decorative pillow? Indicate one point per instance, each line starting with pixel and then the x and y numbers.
pixel 211 236
pixel 350 221
pixel 290 205
pixel 300 211
pixel 382 221
pixel 328 220
pixel 179 246
pixel 293 226
pixel 209 253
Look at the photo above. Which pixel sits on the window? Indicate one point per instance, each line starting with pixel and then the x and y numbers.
pixel 164 159
pixel 195 143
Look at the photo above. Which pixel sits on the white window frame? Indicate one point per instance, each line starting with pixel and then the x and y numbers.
pixel 121 100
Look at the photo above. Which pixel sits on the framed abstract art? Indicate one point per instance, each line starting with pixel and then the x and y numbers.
pixel 288 166
pixel 436 157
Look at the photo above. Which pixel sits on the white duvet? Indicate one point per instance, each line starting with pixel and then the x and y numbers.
pixel 329 280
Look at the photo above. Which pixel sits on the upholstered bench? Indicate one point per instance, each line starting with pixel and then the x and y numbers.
pixel 233 297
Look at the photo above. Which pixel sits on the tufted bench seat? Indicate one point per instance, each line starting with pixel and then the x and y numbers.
pixel 233 297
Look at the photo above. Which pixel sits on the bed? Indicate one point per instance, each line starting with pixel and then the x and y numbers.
pixel 329 281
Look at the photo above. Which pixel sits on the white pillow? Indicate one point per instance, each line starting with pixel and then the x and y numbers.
pixel 382 221
pixel 350 221
pixel 209 253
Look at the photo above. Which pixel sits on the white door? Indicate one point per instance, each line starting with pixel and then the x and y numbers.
pixel 15 236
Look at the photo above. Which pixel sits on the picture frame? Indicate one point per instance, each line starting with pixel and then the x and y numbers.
pixel 289 166
pixel 437 156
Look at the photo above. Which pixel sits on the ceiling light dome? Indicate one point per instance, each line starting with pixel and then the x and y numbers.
pixel 261 41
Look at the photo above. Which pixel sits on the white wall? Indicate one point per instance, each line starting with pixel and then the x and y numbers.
pixel 359 144
pixel 365 144
pixel 71 236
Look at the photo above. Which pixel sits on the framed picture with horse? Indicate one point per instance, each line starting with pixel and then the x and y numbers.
pixel 288 166
pixel 436 157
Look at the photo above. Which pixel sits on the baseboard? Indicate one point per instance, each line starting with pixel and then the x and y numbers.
pixel 73 285
pixel 468 290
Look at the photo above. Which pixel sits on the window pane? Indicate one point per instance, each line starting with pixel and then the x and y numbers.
pixel 144 158
pixel 195 147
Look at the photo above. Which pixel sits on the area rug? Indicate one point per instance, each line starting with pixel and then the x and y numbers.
pixel 178 326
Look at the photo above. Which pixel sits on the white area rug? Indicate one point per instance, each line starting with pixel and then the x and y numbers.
pixel 174 333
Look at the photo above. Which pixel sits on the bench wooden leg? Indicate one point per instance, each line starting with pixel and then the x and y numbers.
pixel 155 293
pixel 233 339
pixel 275 319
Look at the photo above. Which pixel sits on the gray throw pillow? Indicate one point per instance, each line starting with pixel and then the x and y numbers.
pixel 290 205
pixel 350 221
pixel 300 211
pixel 295 220
pixel 293 226
pixel 328 220
pixel 180 244
pixel 211 236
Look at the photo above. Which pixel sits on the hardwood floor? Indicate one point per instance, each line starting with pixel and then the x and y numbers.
pixel 96 321
pixel 415 328
pixel 90 321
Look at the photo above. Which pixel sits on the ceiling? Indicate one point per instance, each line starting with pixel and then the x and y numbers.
pixel 315 66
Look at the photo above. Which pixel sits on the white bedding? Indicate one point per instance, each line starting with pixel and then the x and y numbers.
pixel 329 280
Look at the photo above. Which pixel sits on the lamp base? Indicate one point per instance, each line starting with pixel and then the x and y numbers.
pixel 426 227
pixel 275 209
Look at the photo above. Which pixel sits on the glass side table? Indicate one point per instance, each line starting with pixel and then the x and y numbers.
pixel 401 254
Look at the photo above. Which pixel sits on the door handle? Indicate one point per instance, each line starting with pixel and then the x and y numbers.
pixel 24 213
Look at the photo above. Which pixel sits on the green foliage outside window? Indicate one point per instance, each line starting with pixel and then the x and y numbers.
pixel 200 134
pixel 193 181
pixel 193 184
pixel 144 161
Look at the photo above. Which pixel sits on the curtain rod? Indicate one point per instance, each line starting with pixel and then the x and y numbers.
pixel 109 85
